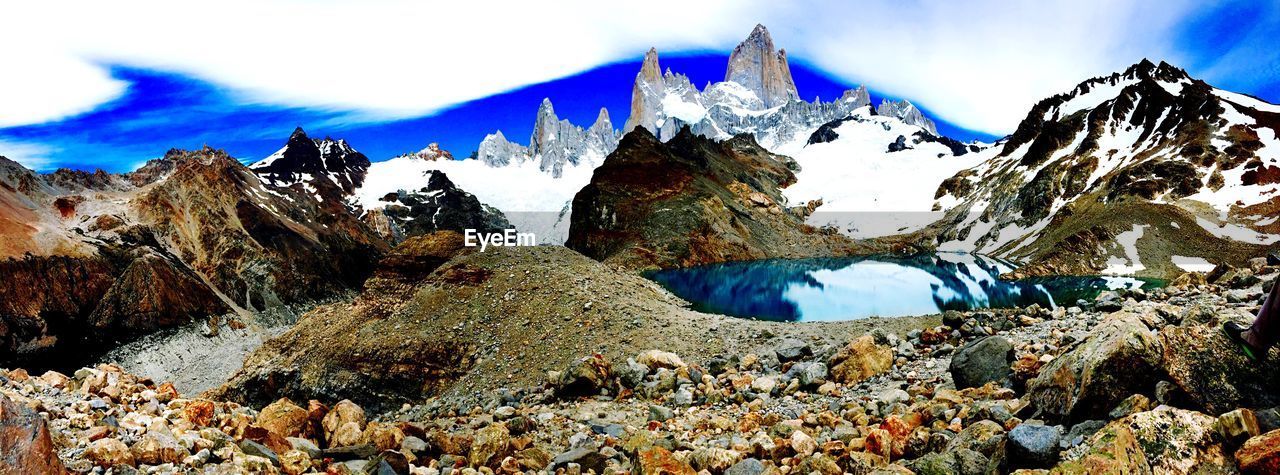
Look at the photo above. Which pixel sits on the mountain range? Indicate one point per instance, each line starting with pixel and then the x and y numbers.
pixel 1145 171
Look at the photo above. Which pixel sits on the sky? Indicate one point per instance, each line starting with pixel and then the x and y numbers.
pixel 111 84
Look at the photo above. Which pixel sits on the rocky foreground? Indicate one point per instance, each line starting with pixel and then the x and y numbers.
pixel 1136 383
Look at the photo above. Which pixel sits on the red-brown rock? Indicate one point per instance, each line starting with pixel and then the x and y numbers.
pixel 25 445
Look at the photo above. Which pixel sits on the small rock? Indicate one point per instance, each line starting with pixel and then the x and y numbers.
pixel 803 444
pixel 1237 426
pixel 749 466
pixel 660 413
pixel 790 349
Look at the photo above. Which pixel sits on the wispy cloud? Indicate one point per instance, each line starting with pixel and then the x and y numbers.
pixel 978 64
pixel 35 156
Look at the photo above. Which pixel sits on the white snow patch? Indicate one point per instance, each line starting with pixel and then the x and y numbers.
pixel 1130 263
pixel 1192 264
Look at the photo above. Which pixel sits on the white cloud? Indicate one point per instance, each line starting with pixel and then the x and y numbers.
pixel 978 64
pixel 31 155
pixel 982 64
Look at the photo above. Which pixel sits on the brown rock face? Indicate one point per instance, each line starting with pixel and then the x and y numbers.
pixel 153 292
pixel 44 298
pixel 189 235
pixel 692 201
pixel 254 245
pixel 25 445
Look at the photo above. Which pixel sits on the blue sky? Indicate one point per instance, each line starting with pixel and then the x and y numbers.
pixel 162 111
pixel 403 74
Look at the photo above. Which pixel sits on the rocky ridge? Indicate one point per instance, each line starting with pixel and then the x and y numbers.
pixel 195 236
pixel 1139 171
pixel 693 200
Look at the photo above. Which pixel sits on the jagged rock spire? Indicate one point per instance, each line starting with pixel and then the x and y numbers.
pixel 544 128
pixel 649 85
pixel 756 65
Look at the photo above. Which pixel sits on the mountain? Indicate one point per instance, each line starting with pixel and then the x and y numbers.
pixel 691 201
pixel 94 257
pixel 758 67
pixel 316 163
pixel 554 145
pixel 874 174
pixel 531 184
pixel 436 206
pixel 868 172
pixel 91 258
pixel 766 106
pixel 1146 171
pixel 908 113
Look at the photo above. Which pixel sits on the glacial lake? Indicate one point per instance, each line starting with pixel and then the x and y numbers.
pixel 829 289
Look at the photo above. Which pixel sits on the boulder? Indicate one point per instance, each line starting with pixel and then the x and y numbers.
pixel 1163 440
pixel 383 436
pixel 586 458
pixel 1120 358
pixel 749 466
pixel 660 359
pixel 157 448
pixel 25 444
pixel 1130 405
pixel 631 373
pixel 862 358
pixel 983 436
pixel 344 417
pixel 982 361
pixel 803 444
pixel 283 418
pixel 109 452
pixel 490 445
pixel 808 373
pixel 713 459
pixel 1213 373
pixel 959 461
pixel 1261 454
pixel 1033 446
pixel 585 377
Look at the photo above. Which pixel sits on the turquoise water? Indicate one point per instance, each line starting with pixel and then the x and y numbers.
pixel 829 289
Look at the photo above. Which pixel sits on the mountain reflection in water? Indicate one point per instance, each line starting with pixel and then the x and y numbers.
pixel 860 287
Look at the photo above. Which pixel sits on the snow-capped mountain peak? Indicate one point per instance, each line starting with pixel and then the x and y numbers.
pixel 907 112
pixel 303 160
pixel 1130 170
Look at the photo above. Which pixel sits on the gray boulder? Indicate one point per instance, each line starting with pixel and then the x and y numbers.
pixel 982 361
